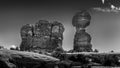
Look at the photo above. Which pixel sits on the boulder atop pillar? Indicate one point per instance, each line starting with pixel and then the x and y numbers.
pixel 82 40
pixel 81 19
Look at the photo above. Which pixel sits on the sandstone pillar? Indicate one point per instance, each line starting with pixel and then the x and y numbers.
pixel 82 40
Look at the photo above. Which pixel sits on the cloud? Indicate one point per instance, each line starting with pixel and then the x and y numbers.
pixel 111 8
pixel 115 10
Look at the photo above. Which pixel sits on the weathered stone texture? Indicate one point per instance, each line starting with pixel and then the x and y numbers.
pixel 82 40
pixel 81 19
pixel 22 59
pixel 26 35
pixel 43 36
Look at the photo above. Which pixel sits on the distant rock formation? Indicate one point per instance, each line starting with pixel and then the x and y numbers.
pixel 43 36
pixel 82 40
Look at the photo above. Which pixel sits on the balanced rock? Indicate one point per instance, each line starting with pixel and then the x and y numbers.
pixel 82 40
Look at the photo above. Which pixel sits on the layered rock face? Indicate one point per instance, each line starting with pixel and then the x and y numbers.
pixel 43 36
pixel 82 40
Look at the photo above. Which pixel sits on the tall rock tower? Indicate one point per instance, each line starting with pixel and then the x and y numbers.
pixel 82 40
pixel 43 36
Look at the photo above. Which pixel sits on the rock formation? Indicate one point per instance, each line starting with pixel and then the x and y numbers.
pixel 22 59
pixel 42 37
pixel 82 39
pixel 45 37
pixel 27 36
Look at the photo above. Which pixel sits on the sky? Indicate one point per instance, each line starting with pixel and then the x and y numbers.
pixel 104 27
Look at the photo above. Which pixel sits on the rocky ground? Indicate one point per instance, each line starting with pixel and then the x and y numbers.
pixel 24 59
pixel 21 59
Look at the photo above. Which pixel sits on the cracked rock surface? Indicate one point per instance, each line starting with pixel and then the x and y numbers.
pixel 22 59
